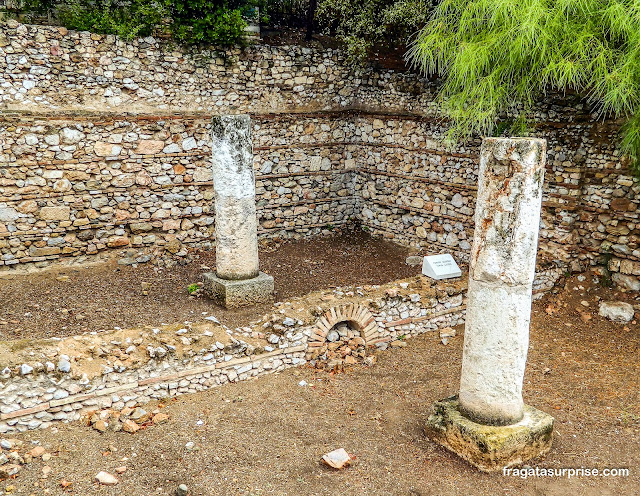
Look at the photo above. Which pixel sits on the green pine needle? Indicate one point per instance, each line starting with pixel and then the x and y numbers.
pixel 500 57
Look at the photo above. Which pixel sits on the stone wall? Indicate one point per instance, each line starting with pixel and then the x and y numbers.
pixel 76 185
pixel 105 145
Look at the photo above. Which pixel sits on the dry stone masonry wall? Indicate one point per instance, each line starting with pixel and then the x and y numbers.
pixel 105 145
pixel 79 185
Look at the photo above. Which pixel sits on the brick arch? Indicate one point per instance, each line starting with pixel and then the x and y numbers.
pixel 352 313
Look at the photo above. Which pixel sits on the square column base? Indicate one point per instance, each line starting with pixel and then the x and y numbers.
pixel 490 448
pixel 233 294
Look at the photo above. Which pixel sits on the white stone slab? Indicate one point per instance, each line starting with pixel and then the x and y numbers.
pixel 440 267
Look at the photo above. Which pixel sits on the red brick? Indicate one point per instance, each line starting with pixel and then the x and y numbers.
pixel 398 322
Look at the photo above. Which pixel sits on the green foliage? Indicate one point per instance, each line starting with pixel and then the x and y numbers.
pixel 37 6
pixel 361 24
pixel 127 20
pixel 193 288
pixel 286 13
pixel 218 22
pixel 499 57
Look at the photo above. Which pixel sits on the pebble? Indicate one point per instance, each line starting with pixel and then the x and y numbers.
pixel 624 281
pixel 160 418
pixel 617 311
pixel 7 471
pixel 64 366
pixel 138 413
pixel 37 452
pixel 130 426
pixel 106 479
pixel 100 426
pixel 182 490
pixel 337 459
pixel 25 369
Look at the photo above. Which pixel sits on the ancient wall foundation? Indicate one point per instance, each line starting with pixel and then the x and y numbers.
pixel 63 379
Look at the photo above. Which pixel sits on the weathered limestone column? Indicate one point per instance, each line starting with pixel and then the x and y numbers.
pixel 235 197
pixel 488 424
pixel 237 280
pixel 501 272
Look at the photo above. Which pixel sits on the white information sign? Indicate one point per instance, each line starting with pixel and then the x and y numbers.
pixel 440 267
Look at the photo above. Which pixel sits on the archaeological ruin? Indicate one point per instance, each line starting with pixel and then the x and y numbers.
pixel 140 154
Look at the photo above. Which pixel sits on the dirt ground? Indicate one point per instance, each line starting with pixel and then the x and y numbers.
pixel 69 301
pixel 266 437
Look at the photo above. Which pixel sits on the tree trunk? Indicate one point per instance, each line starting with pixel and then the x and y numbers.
pixel 311 12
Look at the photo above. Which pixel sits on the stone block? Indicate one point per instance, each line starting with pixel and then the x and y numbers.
pixel 490 448
pixel 34 251
pixel 149 147
pixel 106 149
pixel 237 293
pixel 55 213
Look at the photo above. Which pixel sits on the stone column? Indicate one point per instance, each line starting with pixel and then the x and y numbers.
pixel 237 280
pixel 488 423
pixel 501 272
pixel 235 197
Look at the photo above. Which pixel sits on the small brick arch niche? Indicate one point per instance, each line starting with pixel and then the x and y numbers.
pixel 341 336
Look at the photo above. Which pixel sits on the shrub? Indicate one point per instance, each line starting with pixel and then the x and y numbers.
pixel 287 13
pixel 362 24
pixel 218 22
pixel 127 20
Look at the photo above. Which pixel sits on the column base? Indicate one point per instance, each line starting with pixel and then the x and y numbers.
pixel 486 447
pixel 233 294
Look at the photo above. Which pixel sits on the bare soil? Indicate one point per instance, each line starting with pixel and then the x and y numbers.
pixel 266 437
pixel 69 301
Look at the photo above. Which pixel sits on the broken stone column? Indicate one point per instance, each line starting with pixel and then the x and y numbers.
pixel 237 280
pixel 488 423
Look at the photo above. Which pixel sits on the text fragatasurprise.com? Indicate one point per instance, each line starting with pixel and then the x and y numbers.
pixel 526 472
